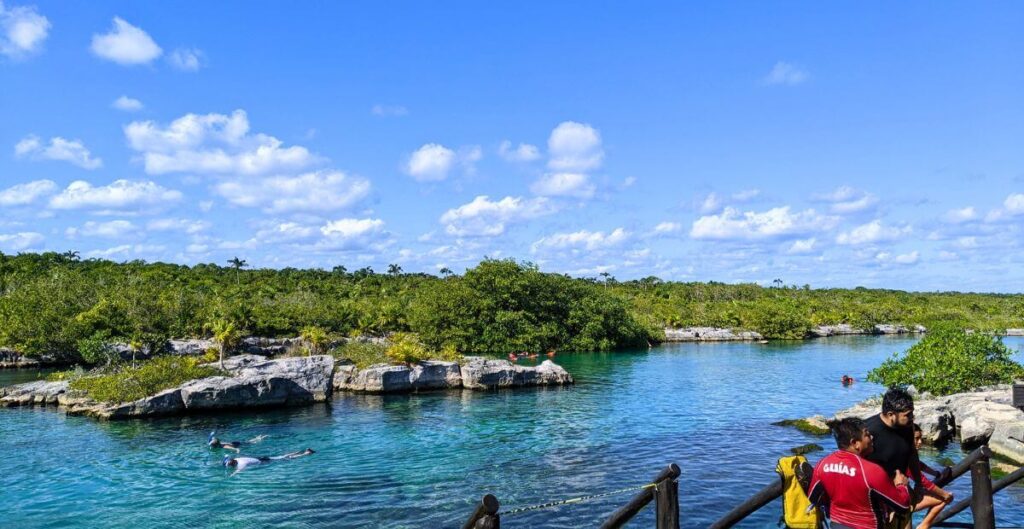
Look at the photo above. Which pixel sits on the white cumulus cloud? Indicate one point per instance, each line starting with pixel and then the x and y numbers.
pixel 212 144
pixel 431 162
pixel 732 224
pixel 802 246
pixel 575 147
pixel 389 110
pixel 120 194
pixel 112 230
pixel 563 185
pixel 352 234
pixel 523 153
pixel 668 227
pixel 71 151
pixel 127 104
pixel 589 240
pixel 872 232
pixel 314 191
pixel 125 44
pixel 902 259
pixel 27 193
pixel 961 215
pixel 846 200
pixel 188 226
pixel 784 73
pixel 186 59
pixel 20 241
pixel 484 217
pixel 22 30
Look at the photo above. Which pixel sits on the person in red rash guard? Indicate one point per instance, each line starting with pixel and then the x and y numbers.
pixel 856 493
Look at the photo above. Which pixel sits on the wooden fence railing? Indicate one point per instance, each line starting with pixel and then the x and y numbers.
pixel 664 491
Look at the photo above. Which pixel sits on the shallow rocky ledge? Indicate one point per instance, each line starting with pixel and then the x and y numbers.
pixel 719 334
pixel 476 373
pixel 974 418
pixel 256 382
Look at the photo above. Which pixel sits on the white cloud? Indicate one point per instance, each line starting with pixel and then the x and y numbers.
pixel 188 226
pixel 431 162
pixel 126 249
pixel 732 224
pixel 668 227
pixel 20 241
pixel 187 59
pixel 212 144
pixel 127 104
pixel 22 31
pixel 468 156
pixel 389 110
pixel 125 44
pixel 27 193
pixel 484 217
pixel 1014 204
pixel 349 228
pixel 120 194
pixel 846 199
pixel 315 191
pixel 71 151
pixel 959 216
pixel 802 246
pixel 746 195
pixel 523 153
pixel 352 235
pixel 574 147
pixel 711 203
pixel 784 73
pixel 872 232
pixel 903 259
pixel 589 240
pixel 111 230
pixel 629 181
pixel 563 185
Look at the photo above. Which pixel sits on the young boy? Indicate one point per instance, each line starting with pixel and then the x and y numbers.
pixel 935 499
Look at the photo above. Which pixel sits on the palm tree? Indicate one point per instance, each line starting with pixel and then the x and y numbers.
pixel 227 336
pixel 605 275
pixel 777 283
pixel 315 338
pixel 394 269
pixel 446 272
pixel 237 264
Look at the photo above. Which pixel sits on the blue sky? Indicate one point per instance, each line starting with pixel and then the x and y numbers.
pixel 840 145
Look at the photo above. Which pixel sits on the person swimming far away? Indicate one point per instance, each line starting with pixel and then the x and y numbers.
pixel 214 442
pixel 240 463
pixel 847 380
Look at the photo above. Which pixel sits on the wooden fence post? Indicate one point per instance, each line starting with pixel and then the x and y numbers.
pixel 666 503
pixel 981 495
pixel 486 514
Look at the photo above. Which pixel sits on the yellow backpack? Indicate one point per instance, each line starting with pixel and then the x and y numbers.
pixel 797 512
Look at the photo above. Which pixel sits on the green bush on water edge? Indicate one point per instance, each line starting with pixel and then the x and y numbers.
pixel 125 383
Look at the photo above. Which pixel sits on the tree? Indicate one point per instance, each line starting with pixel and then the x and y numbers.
pixel 605 275
pixel 237 264
pixel 777 282
pixel 315 338
pixel 394 270
pixel 949 360
pixel 446 272
pixel 227 336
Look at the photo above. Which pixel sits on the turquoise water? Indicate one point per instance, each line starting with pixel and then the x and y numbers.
pixel 424 460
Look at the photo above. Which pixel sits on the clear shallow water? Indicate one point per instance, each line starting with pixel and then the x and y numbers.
pixel 424 460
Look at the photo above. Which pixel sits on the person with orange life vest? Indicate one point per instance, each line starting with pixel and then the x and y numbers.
pixel 857 493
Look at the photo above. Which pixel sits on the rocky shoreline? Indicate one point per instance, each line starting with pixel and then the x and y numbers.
pixel 722 334
pixel 257 382
pixel 974 418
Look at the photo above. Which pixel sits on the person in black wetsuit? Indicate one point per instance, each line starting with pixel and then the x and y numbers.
pixel 893 432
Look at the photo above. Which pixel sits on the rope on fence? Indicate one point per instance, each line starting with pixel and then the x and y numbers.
pixel 559 503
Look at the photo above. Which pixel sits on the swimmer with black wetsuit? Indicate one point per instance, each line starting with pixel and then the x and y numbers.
pixel 214 442
pixel 241 463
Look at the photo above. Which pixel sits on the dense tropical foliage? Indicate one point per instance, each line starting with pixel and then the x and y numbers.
pixel 60 306
pixel 949 360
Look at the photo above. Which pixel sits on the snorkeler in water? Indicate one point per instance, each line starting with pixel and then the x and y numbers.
pixel 241 463
pixel 214 442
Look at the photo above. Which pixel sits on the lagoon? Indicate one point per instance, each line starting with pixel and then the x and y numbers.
pixel 422 461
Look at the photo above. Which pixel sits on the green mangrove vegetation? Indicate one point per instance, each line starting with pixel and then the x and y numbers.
pixel 949 360
pixel 60 306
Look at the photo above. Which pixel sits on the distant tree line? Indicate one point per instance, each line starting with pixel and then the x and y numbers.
pixel 58 305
